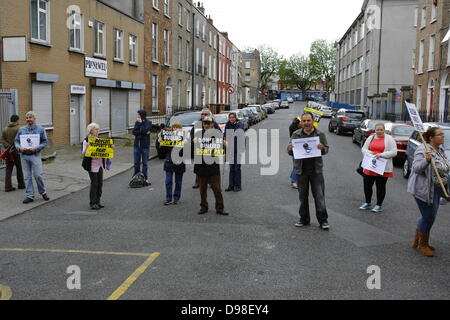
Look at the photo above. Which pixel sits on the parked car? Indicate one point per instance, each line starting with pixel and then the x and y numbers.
pixel 290 100
pixel 250 115
pixel 284 105
pixel 327 111
pixel 259 116
pixel 254 115
pixel 268 107
pixel 241 117
pixel 401 133
pixel 277 104
pixel 346 121
pixel 187 120
pixel 221 120
pixel 365 130
pixel 415 141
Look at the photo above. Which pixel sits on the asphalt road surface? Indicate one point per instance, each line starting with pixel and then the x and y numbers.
pixel 255 253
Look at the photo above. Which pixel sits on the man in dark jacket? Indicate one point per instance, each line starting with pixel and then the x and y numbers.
pixel 295 125
pixel 310 172
pixel 141 132
pixel 7 140
pixel 235 182
pixel 208 172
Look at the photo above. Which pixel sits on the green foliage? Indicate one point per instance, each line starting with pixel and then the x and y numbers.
pixel 323 62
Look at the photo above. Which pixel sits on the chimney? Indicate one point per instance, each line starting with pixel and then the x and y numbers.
pixel 200 7
pixel 210 20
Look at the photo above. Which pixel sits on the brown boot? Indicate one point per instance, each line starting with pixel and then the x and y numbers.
pixel 423 245
pixel 416 241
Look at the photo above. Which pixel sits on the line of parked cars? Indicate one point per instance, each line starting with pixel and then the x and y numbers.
pixel 407 138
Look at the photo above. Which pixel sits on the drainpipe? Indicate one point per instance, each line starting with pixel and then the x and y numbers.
pixel 193 61
pixel 379 47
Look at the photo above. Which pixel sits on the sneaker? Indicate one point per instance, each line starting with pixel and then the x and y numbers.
pixel 301 224
pixel 45 197
pixel 377 209
pixel 201 212
pixel 168 203
pixel 175 202
pixel 229 189
pixel 14 189
pixel 237 189
pixel 195 186
pixel 325 226
pixel 101 206
pixel 294 185
pixel 365 206
pixel 95 207
pixel 28 200
pixel 147 183
pixel 221 213
pixel 444 202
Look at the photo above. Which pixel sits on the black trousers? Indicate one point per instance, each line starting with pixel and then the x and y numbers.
pixel 317 183
pixel 96 186
pixel 9 170
pixel 381 188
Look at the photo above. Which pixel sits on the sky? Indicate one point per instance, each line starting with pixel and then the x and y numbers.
pixel 289 26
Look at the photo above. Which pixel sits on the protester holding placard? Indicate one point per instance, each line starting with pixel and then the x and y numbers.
pixel 172 168
pixel 12 156
pixel 208 147
pixel 380 149
pixel 30 141
pixel 95 167
pixel 235 127
pixel 425 185
pixel 141 131
pixel 310 170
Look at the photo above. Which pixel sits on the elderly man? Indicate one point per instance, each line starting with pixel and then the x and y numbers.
pixel 7 140
pixel 30 141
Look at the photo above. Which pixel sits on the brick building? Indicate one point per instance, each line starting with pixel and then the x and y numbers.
pixel 72 62
pixel 251 75
pixel 432 59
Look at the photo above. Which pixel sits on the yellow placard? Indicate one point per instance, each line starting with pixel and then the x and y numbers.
pixel 210 152
pixel 317 115
pixel 100 148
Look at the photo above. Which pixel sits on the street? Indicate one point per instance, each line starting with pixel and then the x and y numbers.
pixel 255 253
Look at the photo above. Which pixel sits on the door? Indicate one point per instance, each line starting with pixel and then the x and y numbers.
pixel 119 112
pixel 75 119
pixel 447 98
pixel 168 100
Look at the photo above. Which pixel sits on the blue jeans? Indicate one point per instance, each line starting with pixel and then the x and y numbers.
pixel 32 166
pixel 141 155
pixel 235 176
pixel 429 213
pixel 294 178
pixel 170 194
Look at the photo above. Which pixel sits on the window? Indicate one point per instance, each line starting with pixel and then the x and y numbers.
pixel 197 60
pixel 204 31
pixel 155 4
pixel 166 7
pixel 360 65
pixel 155 93
pixel 40 20
pixel 368 61
pixel 188 19
pixel 433 12
pixel 154 42
pixel 247 77
pixel 414 58
pixel 448 56
pixel 416 16
pixel 133 49
pixel 188 56
pixel 424 18
pixel 431 52
pixel 209 67
pixel 214 68
pixel 421 56
pixel 419 98
pixel 356 38
pixel 247 64
pixel 203 63
pixel 76 32
pixel 180 14
pixel 179 94
pixel 166 47
pixel 100 38
pixel 215 42
pixel 197 29
pixel 118 44
pixel 42 102
pixel 363 30
pixel 210 38
pixel 180 53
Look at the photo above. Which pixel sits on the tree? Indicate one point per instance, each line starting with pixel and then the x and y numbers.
pixel 297 71
pixel 270 65
pixel 323 63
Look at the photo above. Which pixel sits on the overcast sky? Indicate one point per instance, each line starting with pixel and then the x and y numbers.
pixel 289 26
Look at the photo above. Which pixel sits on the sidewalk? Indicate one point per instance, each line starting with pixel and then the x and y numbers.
pixel 64 175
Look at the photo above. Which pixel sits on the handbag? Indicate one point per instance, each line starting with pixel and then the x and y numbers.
pixel 6 155
pixel 360 169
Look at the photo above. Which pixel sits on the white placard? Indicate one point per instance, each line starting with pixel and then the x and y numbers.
pixel 96 68
pixel 373 164
pixel 28 141
pixel 306 148
pixel 415 117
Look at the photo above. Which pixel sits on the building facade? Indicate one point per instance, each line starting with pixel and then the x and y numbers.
pixel 371 57
pixel 432 60
pixel 72 63
pixel 251 75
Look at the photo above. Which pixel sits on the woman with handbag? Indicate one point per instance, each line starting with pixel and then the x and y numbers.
pixel 426 188
pixel 380 145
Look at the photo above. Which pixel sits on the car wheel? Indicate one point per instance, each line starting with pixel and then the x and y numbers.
pixel 330 128
pixel 406 169
pixel 338 131
pixel 354 138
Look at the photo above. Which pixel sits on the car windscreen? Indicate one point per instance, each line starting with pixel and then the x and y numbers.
pixel 186 119
pixel 221 119
pixel 354 115
pixel 403 131
pixel 447 139
pixel 371 125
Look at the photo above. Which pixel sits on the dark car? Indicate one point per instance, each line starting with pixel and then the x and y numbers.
pixel 187 120
pixel 250 116
pixel 401 133
pixel 365 130
pixel 346 121
pixel 254 115
pixel 415 141
pixel 269 108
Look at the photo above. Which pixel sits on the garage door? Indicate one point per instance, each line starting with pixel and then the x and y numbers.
pixel 100 108
pixel 119 111
pixel 134 104
pixel 42 103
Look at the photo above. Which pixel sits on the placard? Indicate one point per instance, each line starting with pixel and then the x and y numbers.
pixel 172 138
pixel 373 164
pixel 100 148
pixel 28 141
pixel 415 117
pixel 210 147
pixel 306 148
pixel 317 115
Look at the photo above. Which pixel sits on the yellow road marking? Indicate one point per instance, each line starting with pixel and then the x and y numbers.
pixel 5 293
pixel 124 287
pixel 77 251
